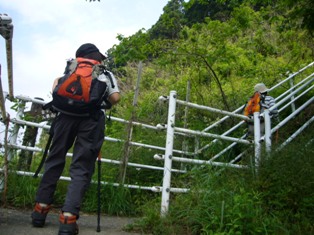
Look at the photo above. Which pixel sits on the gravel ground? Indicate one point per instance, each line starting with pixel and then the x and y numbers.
pixel 16 221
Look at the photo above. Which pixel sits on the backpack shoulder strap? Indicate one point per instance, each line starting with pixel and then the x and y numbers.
pixel 108 74
pixel 43 159
pixel 71 66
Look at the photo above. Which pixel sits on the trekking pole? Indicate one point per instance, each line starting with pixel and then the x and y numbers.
pixel 98 192
pixel 43 159
pixel 107 106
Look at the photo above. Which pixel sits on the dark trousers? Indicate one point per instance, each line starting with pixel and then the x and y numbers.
pixel 87 135
pixel 251 129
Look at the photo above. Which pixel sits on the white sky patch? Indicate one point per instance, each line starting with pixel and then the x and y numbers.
pixel 47 33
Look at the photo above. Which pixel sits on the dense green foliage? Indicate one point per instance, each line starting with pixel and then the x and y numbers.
pixel 221 57
pixel 279 200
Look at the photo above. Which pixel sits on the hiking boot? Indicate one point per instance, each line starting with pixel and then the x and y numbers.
pixel 68 225
pixel 39 215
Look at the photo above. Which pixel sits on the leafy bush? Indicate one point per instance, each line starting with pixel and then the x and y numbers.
pixel 278 200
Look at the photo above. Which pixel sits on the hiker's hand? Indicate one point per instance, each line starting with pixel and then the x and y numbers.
pixel 106 104
pixel 49 107
pixel 250 121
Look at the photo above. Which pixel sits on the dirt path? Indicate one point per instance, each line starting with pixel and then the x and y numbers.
pixel 13 221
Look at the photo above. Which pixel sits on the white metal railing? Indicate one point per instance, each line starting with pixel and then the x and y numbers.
pixel 283 101
pixel 290 94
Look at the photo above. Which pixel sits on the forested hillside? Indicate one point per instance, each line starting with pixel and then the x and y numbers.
pixel 221 47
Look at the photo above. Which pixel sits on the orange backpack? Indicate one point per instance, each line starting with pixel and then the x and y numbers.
pixel 79 92
pixel 253 105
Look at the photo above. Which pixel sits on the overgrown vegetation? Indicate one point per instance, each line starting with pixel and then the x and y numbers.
pixel 222 56
pixel 278 200
pixel 222 49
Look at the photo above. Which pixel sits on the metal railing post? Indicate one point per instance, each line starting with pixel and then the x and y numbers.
pixel 2 100
pixel 168 154
pixel 267 131
pixel 16 128
pixel 257 139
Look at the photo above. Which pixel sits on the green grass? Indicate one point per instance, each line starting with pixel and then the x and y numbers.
pixel 277 200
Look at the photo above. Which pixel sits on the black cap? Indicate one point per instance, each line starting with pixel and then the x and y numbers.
pixel 86 49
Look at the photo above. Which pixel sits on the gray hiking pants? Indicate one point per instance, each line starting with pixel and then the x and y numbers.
pixel 87 135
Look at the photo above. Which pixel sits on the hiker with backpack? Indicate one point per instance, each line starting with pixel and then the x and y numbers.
pixel 78 98
pixel 258 103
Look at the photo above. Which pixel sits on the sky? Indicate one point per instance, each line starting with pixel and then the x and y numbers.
pixel 48 32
